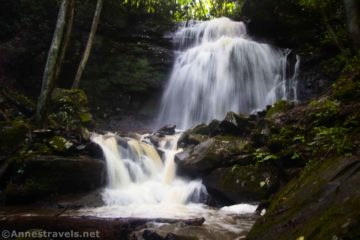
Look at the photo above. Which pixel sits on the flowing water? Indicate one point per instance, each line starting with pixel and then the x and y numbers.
pixel 141 183
pixel 218 68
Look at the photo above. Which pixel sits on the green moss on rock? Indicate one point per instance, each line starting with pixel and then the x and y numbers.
pixel 69 109
pixel 60 144
pixel 13 135
pixel 279 107
pixel 323 202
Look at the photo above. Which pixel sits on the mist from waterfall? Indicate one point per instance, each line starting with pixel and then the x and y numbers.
pixel 218 68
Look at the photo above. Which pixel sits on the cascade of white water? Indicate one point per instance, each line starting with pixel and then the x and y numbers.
pixel 138 175
pixel 218 68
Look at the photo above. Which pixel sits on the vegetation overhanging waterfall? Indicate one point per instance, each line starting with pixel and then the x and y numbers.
pixel 218 68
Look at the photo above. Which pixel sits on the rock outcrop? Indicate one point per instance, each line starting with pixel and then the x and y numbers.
pixel 47 175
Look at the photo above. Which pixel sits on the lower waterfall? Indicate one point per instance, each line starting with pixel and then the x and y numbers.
pixel 142 183
pixel 138 175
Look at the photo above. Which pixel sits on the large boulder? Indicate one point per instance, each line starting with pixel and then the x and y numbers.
pixel 323 203
pixel 237 184
pixel 213 153
pixel 46 175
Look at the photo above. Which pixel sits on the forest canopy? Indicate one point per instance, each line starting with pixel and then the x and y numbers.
pixel 186 9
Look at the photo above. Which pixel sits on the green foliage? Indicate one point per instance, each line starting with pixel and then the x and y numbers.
pixel 324 110
pixel 334 139
pixel 262 156
pixel 181 10
pixel 334 65
pixel 347 88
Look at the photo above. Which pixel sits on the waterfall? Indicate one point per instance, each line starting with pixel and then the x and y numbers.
pixel 218 68
pixel 138 175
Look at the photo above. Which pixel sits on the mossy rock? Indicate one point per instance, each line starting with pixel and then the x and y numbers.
pixel 69 109
pixel 212 153
pixel 13 135
pixel 279 107
pixel 251 183
pixel 60 144
pixel 73 97
pixel 323 203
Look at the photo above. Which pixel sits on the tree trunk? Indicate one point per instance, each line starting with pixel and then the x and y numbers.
pixel 48 81
pixel 88 44
pixel 66 39
pixel 352 8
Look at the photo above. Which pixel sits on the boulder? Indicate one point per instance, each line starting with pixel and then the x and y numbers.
pixel 235 124
pixel 45 175
pixel 251 183
pixel 167 130
pixel 212 153
pixel 322 203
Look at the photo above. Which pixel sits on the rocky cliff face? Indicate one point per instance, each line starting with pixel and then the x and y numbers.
pixel 127 72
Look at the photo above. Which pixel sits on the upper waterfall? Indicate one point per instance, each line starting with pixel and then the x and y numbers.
pixel 218 68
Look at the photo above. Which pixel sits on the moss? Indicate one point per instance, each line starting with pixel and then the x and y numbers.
pixel 254 182
pixel 69 109
pixel 202 129
pixel 13 135
pixel 60 144
pixel 278 107
pixel 324 111
pixel 85 117
pixel 317 205
pixel 42 149
pixel 347 90
pixel 347 87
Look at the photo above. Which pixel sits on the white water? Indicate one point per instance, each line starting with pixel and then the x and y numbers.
pixel 218 68
pixel 138 175
pixel 142 184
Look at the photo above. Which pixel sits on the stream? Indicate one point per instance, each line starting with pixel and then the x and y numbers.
pixel 218 68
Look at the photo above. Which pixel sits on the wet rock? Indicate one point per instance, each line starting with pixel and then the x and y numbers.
pixel 210 154
pixel 167 130
pixel 93 150
pixel 155 139
pixel 79 200
pixel 45 175
pixel 190 138
pixel 241 183
pixel 235 124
